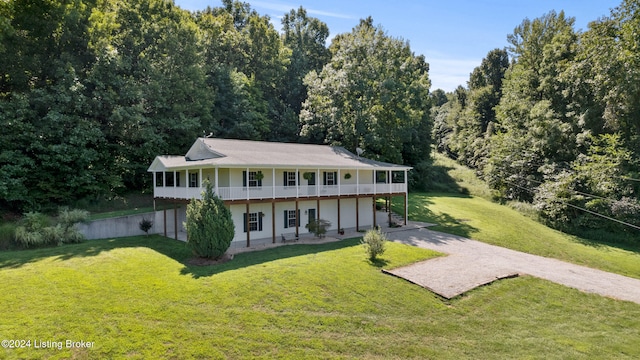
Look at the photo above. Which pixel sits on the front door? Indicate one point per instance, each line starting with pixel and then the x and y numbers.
pixel 312 215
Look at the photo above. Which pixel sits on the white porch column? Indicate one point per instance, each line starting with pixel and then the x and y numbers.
pixel 318 182
pixel 297 185
pixel 406 197
pixel 215 178
pixel 375 182
pixel 247 179
pixel 273 185
pixel 389 181
pixel 200 180
pixel 338 182
pixel 187 183
pixel 154 185
pixel 174 184
pixel 357 181
pixel 164 178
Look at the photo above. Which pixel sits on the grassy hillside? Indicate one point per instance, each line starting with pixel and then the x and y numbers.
pixel 476 217
pixel 500 225
pixel 135 298
pixel 447 176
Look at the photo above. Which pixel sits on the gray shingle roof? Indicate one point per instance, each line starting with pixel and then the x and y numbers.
pixel 247 153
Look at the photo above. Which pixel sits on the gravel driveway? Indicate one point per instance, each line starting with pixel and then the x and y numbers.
pixel 471 263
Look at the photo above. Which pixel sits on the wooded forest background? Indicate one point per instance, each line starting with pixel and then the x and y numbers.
pixel 92 90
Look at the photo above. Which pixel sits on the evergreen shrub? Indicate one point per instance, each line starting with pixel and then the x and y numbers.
pixel 209 225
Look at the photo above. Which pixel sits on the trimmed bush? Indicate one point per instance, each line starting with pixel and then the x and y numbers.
pixel 318 227
pixel 209 225
pixel 374 242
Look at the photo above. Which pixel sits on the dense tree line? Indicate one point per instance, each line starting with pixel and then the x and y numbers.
pixel 373 94
pixel 92 90
pixel 557 125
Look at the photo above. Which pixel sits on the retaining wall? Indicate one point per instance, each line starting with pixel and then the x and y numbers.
pixel 129 225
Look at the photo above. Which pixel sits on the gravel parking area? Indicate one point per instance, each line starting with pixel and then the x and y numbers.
pixel 471 263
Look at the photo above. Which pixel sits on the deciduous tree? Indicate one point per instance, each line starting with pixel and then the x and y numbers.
pixel 373 94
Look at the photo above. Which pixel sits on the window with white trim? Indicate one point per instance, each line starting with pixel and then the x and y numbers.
pixel 290 177
pixel 254 180
pixel 330 178
pixel 290 219
pixel 169 177
pixel 254 221
pixel 193 180
pixel 397 177
pixel 159 179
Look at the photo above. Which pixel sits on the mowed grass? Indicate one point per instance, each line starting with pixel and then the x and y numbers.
pixel 489 222
pixel 135 298
pixel 475 216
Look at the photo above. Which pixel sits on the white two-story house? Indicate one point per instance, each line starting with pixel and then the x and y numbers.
pixel 275 189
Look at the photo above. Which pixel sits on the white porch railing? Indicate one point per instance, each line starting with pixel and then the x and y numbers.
pixel 178 192
pixel 268 192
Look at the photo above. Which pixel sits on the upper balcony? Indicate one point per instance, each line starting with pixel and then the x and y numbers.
pixel 247 170
pixel 281 192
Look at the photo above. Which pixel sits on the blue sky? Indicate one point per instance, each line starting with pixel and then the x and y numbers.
pixel 453 35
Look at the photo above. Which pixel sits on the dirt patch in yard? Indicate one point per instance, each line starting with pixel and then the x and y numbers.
pixel 199 261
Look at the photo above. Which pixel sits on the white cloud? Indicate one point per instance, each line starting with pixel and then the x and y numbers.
pixel 284 8
pixel 329 14
pixel 447 73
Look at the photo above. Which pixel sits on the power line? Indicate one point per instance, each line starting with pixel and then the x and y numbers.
pixel 628 178
pixel 580 192
pixel 566 165
pixel 584 194
pixel 580 208
pixel 602 216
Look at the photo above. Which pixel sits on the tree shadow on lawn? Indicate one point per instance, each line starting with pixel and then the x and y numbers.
pixel 600 239
pixel 439 180
pixel 378 262
pixel 176 250
pixel 172 248
pixel 251 258
pixel 419 211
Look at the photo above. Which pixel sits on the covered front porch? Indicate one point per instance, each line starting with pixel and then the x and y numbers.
pixel 382 219
pixel 276 218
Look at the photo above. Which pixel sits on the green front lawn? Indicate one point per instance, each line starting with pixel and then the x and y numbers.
pixel 135 298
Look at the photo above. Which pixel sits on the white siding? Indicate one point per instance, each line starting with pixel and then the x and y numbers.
pixel 237 213
pixel 347 213
pixel 366 212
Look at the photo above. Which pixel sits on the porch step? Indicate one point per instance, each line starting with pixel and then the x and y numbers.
pixel 395 218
